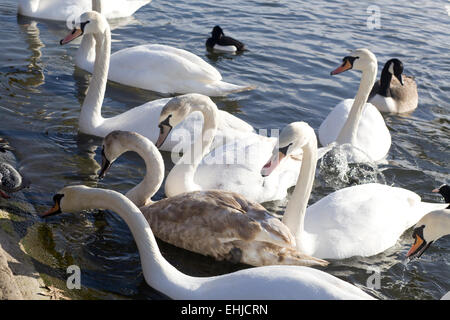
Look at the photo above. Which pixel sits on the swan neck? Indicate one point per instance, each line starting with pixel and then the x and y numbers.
pixel 86 52
pixel 141 194
pixel 97 5
pixel 441 224
pixel 294 215
pixel 158 272
pixel 349 131
pixel 184 171
pixel 209 129
pixel 90 116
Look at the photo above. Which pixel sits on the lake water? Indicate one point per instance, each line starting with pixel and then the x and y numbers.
pixel 293 45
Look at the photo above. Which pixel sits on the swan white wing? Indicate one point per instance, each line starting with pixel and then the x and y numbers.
pixel 122 8
pixel 373 136
pixel 229 121
pixel 237 167
pixel 161 68
pixel 363 220
pixel 62 10
pixel 144 120
pixel 205 67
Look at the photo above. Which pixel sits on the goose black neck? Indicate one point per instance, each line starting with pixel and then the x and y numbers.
pixel 385 81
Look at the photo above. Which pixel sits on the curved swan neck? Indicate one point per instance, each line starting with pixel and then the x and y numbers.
pixel 183 173
pixel 91 116
pixel 294 215
pixel 158 272
pixel 349 131
pixel 141 194
pixel 437 224
pixel 210 125
pixel 86 51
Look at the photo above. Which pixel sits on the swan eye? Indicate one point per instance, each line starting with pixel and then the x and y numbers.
pixel 285 149
pixel 349 59
pixel 83 25
pixel 57 198
pixel 165 122
pixel 418 231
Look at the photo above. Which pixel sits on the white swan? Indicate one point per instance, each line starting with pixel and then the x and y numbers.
pixel 234 166
pixel 142 119
pixel 394 95
pixel 63 10
pixel 355 121
pixel 268 282
pixel 159 68
pixel 361 220
pixel 430 228
pixel 223 225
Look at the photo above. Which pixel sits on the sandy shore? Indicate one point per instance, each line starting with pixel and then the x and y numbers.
pixel 18 276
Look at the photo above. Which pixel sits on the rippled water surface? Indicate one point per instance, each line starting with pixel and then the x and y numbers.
pixel 293 46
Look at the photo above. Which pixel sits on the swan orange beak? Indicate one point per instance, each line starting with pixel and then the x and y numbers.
pixel 344 67
pixel 418 248
pixel 272 164
pixel 54 210
pixel 72 36
pixel 415 247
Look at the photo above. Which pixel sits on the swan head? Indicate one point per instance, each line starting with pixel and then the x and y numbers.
pixel 395 68
pixel 430 228
pixel 359 59
pixel 290 142
pixel 115 144
pixel 175 111
pixel 90 23
pixel 69 199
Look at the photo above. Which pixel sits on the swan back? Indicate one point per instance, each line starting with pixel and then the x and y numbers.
pixel 63 10
pixel 363 220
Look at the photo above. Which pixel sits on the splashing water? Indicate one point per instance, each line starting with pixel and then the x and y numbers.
pixel 338 168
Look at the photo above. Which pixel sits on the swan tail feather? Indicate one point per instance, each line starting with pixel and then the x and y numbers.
pixel 221 88
pixel 266 253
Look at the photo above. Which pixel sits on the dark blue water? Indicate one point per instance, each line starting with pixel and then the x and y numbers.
pixel 293 46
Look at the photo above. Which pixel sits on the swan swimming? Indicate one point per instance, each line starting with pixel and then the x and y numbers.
pixel 262 283
pixel 142 119
pixel 361 220
pixel 158 68
pixel 63 10
pixel 223 225
pixel 354 121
